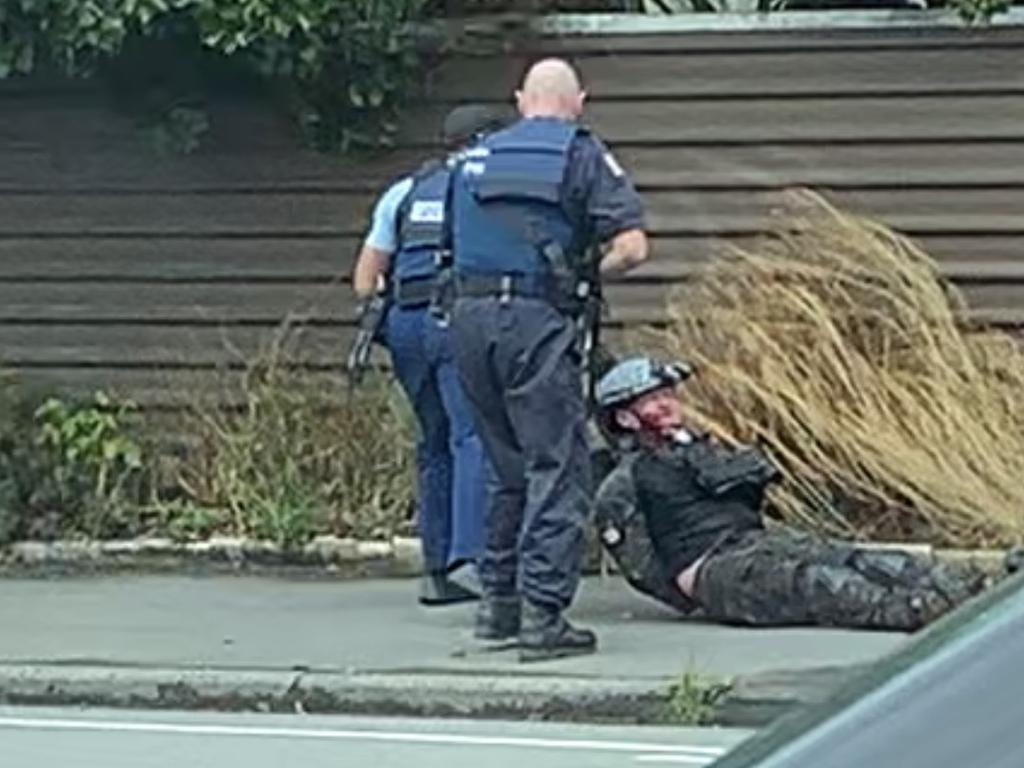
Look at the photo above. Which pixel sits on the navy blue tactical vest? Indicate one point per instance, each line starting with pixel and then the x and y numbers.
pixel 507 199
pixel 421 224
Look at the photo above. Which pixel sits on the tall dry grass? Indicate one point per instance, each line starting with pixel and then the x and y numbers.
pixel 300 453
pixel 835 343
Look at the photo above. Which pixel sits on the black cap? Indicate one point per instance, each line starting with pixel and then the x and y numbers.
pixel 467 120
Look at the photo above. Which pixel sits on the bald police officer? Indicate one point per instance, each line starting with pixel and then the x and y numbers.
pixel 527 204
pixel 404 245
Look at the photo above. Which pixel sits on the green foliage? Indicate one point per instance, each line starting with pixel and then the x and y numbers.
pixel 92 463
pixel 693 699
pixel 68 468
pixel 301 455
pixel 179 130
pixel 18 458
pixel 348 64
pixel 184 520
pixel 979 11
pixel 344 66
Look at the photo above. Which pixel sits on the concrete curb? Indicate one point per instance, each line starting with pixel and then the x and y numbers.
pixel 324 557
pixel 751 702
pixel 433 694
pixel 756 700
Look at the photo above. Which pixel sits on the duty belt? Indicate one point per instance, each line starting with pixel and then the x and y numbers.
pixel 505 287
pixel 413 292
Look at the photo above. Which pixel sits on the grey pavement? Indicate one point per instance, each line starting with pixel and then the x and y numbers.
pixel 117 739
pixel 375 626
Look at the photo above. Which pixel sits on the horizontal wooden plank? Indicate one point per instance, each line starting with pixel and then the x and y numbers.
pixel 832 71
pixel 709 211
pixel 630 301
pixel 977 210
pixel 995 285
pixel 683 266
pixel 186 214
pixel 633 303
pixel 705 120
pixel 148 387
pixel 60 171
pixel 813 119
pixel 878 37
pixel 143 260
pixel 962 258
pixel 209 303
pixel 917 164
pixel 65 125
pixel 650 166
pixel 27 344
pixel 177 259
pixel 156 387
pixel 214 304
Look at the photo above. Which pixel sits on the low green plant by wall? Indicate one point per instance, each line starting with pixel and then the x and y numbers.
pixel 298 456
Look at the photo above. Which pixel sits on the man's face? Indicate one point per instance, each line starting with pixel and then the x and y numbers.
pixel 658 412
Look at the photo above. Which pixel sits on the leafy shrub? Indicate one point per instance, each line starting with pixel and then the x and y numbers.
pixel 68 468
pixel 17 458
pixel 92 465
pixel 975 11
pixel 345 66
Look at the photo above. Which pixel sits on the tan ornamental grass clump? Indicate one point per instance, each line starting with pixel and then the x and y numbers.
pixel 835 343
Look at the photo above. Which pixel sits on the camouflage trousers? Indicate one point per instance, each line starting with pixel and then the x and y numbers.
pixel 782 577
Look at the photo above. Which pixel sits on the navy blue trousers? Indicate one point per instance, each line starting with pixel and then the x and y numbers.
pixel 449 456
pixel 521 373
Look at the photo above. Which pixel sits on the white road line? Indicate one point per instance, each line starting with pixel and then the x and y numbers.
pixel 680 759
pixel 451 739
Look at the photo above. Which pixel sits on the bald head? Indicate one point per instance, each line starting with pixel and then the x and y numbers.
pixel 551 88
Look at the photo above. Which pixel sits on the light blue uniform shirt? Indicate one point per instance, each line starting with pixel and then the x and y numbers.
pixel 383 234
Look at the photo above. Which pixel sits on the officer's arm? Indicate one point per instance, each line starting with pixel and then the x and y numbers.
pixel 616 212
pixel 381 241
pixel 627 250
pixel 371 264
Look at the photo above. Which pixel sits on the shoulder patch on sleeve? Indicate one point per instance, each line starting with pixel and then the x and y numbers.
pixel 613 165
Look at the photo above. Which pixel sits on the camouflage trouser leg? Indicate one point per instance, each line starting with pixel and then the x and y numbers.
pixel 782 577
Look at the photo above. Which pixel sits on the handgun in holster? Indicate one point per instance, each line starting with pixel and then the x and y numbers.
pixel 371 319
pixel 583 286
pixel 443 295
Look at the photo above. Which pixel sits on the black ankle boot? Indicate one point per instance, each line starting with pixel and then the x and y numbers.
pixel 437 589
pixel 545 634
pixel 497 618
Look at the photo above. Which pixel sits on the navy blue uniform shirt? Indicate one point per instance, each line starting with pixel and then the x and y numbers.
pixel 599 192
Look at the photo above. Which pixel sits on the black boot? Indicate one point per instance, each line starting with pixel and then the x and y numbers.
pixel 437 589
pixel 545 634
pixel 1013 560
pixel 497 618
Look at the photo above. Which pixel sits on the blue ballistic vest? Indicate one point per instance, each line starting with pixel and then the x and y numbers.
pixel 421 225
pixel 507 199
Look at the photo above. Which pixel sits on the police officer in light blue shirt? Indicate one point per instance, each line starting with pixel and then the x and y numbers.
pixel 526 201
pixel 404 245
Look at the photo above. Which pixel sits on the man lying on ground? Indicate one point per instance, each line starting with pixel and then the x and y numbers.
pixel 682 516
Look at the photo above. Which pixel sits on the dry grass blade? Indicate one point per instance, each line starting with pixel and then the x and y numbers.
pixel 835 343
pixel 300 453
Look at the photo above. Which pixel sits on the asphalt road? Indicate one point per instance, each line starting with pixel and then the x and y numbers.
pixel 62 738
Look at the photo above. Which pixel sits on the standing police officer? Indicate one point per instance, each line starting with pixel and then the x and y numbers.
pixel 528 202
pixel 405 247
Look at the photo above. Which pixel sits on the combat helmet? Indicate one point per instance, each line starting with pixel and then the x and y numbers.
pixel 630 379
